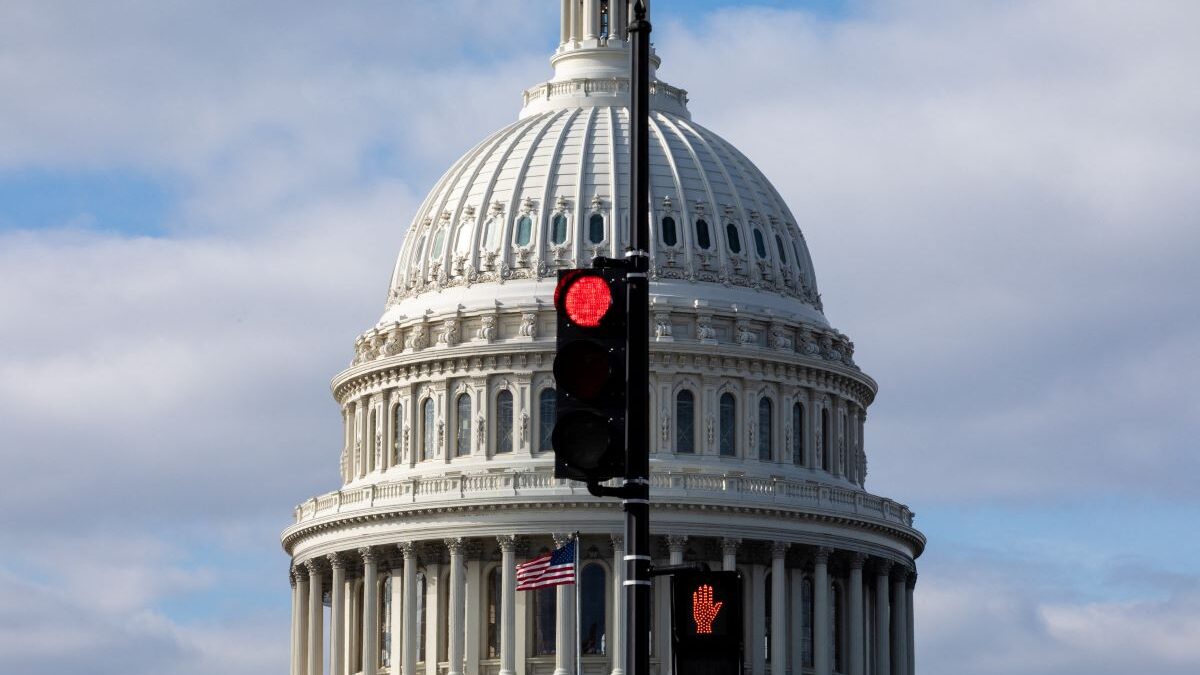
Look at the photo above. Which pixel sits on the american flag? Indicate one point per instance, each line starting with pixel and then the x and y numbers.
pixel 552 569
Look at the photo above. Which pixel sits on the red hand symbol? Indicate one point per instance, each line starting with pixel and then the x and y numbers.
pixel 703 609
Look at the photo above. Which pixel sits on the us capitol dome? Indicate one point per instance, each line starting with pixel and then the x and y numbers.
pixel 758 456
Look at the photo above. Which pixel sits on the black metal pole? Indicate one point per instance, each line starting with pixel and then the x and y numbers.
pixel 637 415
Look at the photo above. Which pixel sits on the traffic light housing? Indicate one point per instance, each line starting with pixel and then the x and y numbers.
pixel 706 622
pixel 589 374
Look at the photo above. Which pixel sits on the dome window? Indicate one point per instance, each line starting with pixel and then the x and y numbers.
pixel 462 439
pixel 779 247
pixel 427 438
pixel 546 403
pixel 798 434
pixel 596 228
pixel 504 422
pixel 685 416
pixel 760 246
pixel 558 229
pixel 728 425
pixel 490 233
pixel 524 230
pixel 669 236
pixel 734 239
pixel 764 428
pixel 702 239
pixel 439 240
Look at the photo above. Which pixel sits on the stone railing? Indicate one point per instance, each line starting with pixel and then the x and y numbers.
pixel 586 86
pixel 668 486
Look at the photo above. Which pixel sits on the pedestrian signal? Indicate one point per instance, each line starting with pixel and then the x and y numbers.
pixel 706 623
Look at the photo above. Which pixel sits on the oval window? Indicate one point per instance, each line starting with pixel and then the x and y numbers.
pixel 779 247
pixel 524 227
pixel 735 240
pixel 438 240
pixel 558 231
pixel 668 231
pixel 596 228
pixel 760 246
pixel 702 234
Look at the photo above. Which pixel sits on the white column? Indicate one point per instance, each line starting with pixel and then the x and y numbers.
pixel 618 22
pixel 676 545
pixel 755 653
pixel 779 614
pixel 370 621
pixel 564 637
pixel 574 11
pixel 822 622
pixel 616 647
pixel 729 549
pixel 351 655
pixel 410 632
pixel 910 584
pixel 433 616
pixel 883 652
pixel 795 620
pixel 591 20
pixel 474 615
pixel 316 609
pixel 899 619
pixel 337 614
pixel 565 30
pixel 396 620
pixel 857 651
pixel 508 604
pixel 454 647
pixel 299 607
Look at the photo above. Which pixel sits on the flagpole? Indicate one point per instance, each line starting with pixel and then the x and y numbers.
pixel 578 611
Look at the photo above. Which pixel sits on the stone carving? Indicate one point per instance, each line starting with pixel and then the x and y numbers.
pixel 809 346
pixel 480 430
pixel 418 336
pixel 665 417
pixel 528 325
pixel 441 436
pixel 744 335
pixel 781 338
pixel 708 431
pixel 828 350
pixel 487 329
pixel 489 260
pixel 524 427
pixel 449 334
pixel 662 325
pixel 704 329
pixel 393 344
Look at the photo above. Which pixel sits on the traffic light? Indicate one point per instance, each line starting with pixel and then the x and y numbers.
pixel 589 374
pixel 706 622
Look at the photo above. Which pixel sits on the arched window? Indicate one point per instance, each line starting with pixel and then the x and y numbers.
pixel 842 441
pixel 728 425
pixel 491 232
pixel 591 610
pixel 806 623
pixel 494 598
pixel 702 238
pixel 524 230
pixel 462 438
pixel 669 236
pixel 422 615
pixel 798 434
pixel 558 229
pixel 546 402
pixel 764 429
pixel 733 237
pixel 545 613
pixel 439 240
pixel 826 444
pixel 760 246
pixel 428 449
pixel 596 228
pixel 372 437
pixel 779 247
pixel 685 422
pixel 504 422
pixel 462 238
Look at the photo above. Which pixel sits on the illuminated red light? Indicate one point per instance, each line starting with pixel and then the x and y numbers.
pixel 704 611
pixel 588 300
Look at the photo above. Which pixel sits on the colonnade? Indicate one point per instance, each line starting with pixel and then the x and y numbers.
pixel 842 612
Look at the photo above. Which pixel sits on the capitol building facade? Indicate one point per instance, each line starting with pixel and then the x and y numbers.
pixel 758 459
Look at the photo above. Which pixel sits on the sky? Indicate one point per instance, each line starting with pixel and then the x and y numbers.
pixel 200 205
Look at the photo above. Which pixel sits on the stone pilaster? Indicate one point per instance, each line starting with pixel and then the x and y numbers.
pixel 370 621
pixel 508 604
pixel 822 620
pixel 409 652
pixel 779 615
pixel 883 650
pixel 857 645
pixel 315 616
pixel 454 641
pixel 337 612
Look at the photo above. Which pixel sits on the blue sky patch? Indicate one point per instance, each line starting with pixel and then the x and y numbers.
pixel 112 200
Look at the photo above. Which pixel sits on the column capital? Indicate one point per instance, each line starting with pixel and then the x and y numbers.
pixel 900 573
pixel 293 574
pixel 336 560
pixel 314 567
pixel 858 560
pixel 618 541
pixel 369 555
pixel 456 545
pixel 676 542
pixel 561 538
pixel 821 555
pixel 779 549
pixel 408 549
pixel 729 545
pixel 911 580
pixel 882 567
pixel 508 542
